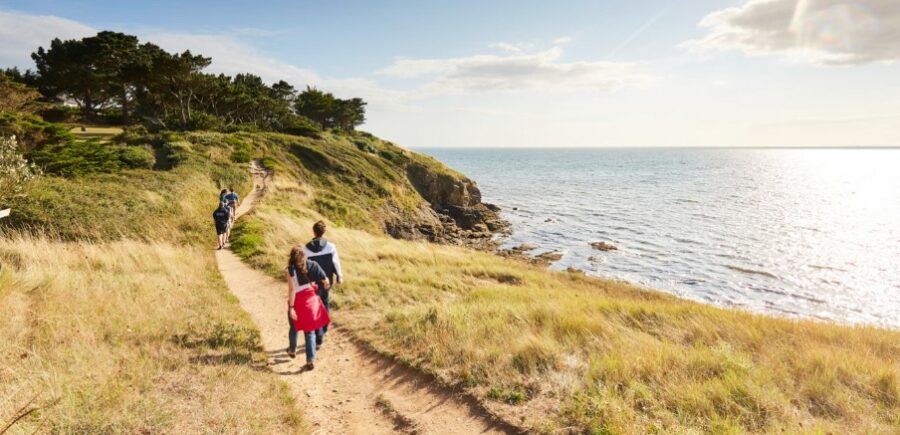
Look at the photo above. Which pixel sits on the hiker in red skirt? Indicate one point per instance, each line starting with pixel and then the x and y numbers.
pixel 306 311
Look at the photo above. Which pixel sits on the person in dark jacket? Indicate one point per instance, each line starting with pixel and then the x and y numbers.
pixel 325 254
pixel 222 219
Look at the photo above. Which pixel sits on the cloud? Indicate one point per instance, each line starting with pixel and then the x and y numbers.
pixel 563 40
pixel 511 47
pixel 541 71
pixel 830 32
pixel 22 34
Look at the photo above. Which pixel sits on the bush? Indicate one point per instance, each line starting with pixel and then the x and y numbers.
pixel 77 158
pixel 241 151
pixel 176 153
pixel 133 135
pixel 15 171
pixel 137 158
pixel 393 157
pixel 235 128
pixel 58 113
pixel 31 131
pixel 301 126
pixel 365 147
pixel 247 238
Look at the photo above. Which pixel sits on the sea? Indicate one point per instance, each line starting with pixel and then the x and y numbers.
pixel 808 233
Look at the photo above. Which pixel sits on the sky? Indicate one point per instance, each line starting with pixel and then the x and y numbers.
pixel 528 73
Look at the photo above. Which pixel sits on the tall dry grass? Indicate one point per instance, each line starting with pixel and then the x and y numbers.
pixel 129 337
pixel 560 352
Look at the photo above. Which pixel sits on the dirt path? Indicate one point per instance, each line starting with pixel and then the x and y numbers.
pixel 352 390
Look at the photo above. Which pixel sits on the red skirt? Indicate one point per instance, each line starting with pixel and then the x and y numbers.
pixel 311 311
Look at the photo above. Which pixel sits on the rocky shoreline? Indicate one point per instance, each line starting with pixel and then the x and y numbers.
pixel 454 214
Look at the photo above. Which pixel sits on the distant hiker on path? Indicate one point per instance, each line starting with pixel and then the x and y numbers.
pixel 222 195
pixel 306 311
pixel 325 254
pixel 233 201
pixel 222 219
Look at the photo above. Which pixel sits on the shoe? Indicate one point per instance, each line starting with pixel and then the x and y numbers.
pixel 309 366
pixel 219 248
pixel 291 354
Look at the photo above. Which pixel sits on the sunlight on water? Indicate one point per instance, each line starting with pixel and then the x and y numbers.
pixel 812 233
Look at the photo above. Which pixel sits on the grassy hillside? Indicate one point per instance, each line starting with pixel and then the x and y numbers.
pixel 555 352
pixel 115 317
pixel 560 352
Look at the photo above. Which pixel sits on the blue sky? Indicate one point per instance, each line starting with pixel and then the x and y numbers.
pixel 537 73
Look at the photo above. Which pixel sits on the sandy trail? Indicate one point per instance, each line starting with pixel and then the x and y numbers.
pixel 352 390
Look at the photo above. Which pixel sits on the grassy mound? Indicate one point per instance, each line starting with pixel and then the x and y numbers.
pixel 564 352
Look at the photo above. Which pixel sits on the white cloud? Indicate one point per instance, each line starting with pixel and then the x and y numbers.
pixel 510 47
pixel 541 71
pixel 833 32
pixel 21 35
pixel 563 40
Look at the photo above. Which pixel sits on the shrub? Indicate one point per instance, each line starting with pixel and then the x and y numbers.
pixel 137 157
pixel 393 157
pixel 247 238
pixel 59 113
pixel 77 158
pixel 301 126
pixel 241 153
pixel 365 147
pixel 32 131
pixel 15 171
pixel 133 135
pixel 235 128
pixel 176 152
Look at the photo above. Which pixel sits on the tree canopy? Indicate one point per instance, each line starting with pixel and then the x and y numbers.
pixel 115 73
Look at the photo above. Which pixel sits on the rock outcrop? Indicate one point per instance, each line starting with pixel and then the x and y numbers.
pixel 456 214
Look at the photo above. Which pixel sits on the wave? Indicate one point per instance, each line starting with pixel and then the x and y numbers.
pixel 751 271
pixel 816 266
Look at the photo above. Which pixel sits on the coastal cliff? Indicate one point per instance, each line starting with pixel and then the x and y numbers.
pixel 367 183
pixel 456 214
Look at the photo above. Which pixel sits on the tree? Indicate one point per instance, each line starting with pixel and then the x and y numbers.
pixel 283 90
pixel 94 71
pixel 15 171
pixel 329 111
pixel 15 97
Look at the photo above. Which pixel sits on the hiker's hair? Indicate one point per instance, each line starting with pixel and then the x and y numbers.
pixel 319 229
pixel 224 191
pixel 298 260
pixel 231 189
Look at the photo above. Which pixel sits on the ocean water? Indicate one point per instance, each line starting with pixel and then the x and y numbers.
pixel 811 233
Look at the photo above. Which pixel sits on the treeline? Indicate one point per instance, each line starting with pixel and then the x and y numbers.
pixel 114 77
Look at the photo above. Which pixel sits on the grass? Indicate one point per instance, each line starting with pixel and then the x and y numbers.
pixel 129 337
pixel 116 319
pixel 126 327
pixel 559 351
